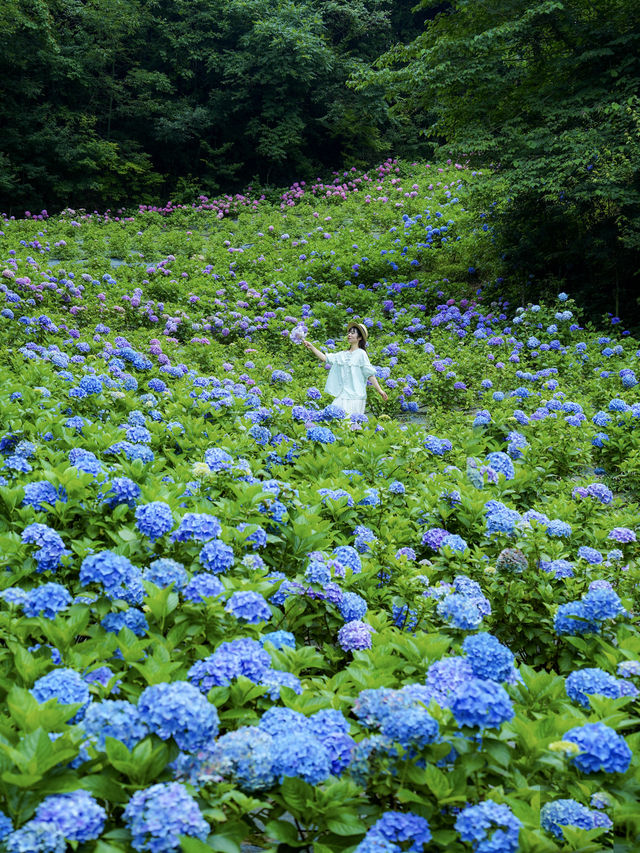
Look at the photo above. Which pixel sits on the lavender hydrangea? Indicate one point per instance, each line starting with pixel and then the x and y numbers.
pixel 355 636
pixel 77 815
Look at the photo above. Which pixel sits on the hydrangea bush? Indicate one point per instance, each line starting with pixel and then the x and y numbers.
pixel 233 614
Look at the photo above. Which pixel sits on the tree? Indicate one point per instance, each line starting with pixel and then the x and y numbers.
pixel 546 91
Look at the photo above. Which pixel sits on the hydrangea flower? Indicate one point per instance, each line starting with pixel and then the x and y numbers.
pixel 164 572
pixel 559 813
pixel 202 586
pixel 77 815
pixel 47 600
pixel 36 837
pixel 51 547
pixel 159 815
pixel 437 446
pixel 489 659
pixel 501 464
pixel 230 660
pixel 322 435
pixel 114 718
pixel 355 636
pixel 461 611
pixel 475 825
pixel 601 748
pixel 119 577
pixel 154 519
pixel 42 495
pixel 179 710
pixel 300 754
pixel 67 686
pixel 583 683
pixel 352 607
pixel 249 606
pixel 199 526
pixel 133 619
pixel 394 829
pixel 481 704
pixel 122 491
pixel 216 556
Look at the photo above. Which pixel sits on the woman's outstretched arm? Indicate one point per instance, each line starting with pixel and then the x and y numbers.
pixel 376 385
pixel 321 355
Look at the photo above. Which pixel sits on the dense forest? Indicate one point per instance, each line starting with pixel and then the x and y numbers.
pixel 106 104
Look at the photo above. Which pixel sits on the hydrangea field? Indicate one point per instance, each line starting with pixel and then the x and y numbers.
pixel 233 618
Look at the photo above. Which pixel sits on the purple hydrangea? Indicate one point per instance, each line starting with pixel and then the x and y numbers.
pixel 355 636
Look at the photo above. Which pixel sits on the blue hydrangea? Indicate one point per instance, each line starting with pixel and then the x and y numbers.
pixel 132 451
pixel 410 727
pixel 317 572
pixel 348 557
pixel 241 657
pixel 590 555
pixel 559 813
pixel 77 815
pixel 437 446
pixel 501 464
pixel 119 577
pixel 572 618
pixel 352 606
pixel 85 461
pixel 133 619
pixel 202 586
pixel 601 748
pixel 558 528
pixel 445 676
pixel 5 826
pixel 489 659
pixel 113 718
pixel 218 459
pixel 397 488
pixel 322 435
pixel 258 536
pixel 51 547
pixel 461 611
pixel 47 600
pixel 216 556
pixel 475 825
pixel 582 683
pixel 279 639
pixel 164 572
pixel 122 491
pixel 179 710
pixel 157 816
pixel 600 604
pixel 481 704
pixel 42 495
pixel 245 757
pixel 249 606
pixel 394 829
pixel 455 542
pixel 355 636
pixel 558 568
pixel 67 686
pixel 154 519
pixel 300 754
pixel 364 538
pixel 199 526
pixel 36 837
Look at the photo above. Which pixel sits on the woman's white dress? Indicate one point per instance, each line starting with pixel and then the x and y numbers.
pixel 347 379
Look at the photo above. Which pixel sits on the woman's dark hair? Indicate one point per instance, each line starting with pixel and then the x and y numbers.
pixel 361 341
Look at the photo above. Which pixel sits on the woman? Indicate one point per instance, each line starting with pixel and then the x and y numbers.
pixel 350 370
